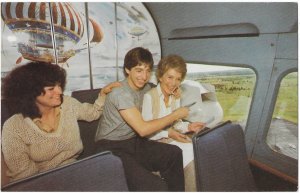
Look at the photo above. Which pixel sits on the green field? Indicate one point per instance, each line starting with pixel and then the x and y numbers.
pixel 234 92
pixel 287 100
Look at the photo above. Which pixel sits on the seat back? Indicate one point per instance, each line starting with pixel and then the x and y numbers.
pixel 87 129
pixel 221 160
pixel 101 172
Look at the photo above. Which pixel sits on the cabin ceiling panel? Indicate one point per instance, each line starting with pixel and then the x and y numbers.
pixel 259 50
pixel 267 17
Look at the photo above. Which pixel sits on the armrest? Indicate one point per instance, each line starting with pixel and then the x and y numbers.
pixel 101 172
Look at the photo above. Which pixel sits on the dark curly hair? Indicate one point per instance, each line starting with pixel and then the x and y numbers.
pixel 137 56
pixel 23 84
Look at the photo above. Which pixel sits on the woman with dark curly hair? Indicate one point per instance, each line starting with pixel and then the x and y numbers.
pixel 43 132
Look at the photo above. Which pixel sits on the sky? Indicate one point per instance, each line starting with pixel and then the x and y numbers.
pixel 207 68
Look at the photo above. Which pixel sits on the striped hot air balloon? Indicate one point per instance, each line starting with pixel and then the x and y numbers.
pixel 34 19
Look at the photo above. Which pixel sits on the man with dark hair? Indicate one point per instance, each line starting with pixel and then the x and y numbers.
pixel 122 130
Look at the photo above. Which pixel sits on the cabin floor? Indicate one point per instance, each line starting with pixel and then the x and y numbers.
pixel 269 182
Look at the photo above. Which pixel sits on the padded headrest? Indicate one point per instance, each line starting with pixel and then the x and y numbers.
pixel 206 108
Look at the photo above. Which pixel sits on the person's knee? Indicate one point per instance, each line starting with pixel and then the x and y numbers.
pixel 152 183
pixel 158 185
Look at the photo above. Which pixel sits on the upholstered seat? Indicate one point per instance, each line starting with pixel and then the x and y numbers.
pixel 221 160
pixel 101 172
pixel 87 129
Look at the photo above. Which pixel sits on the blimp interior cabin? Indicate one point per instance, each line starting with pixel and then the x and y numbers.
pixel 242 77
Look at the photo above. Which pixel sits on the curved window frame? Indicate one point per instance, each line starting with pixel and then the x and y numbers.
pixel 284 75
pixel 262 152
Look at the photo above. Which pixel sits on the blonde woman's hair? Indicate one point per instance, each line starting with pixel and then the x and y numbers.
pixel 171 62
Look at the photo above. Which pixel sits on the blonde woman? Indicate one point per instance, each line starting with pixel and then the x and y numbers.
pixel 163 100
